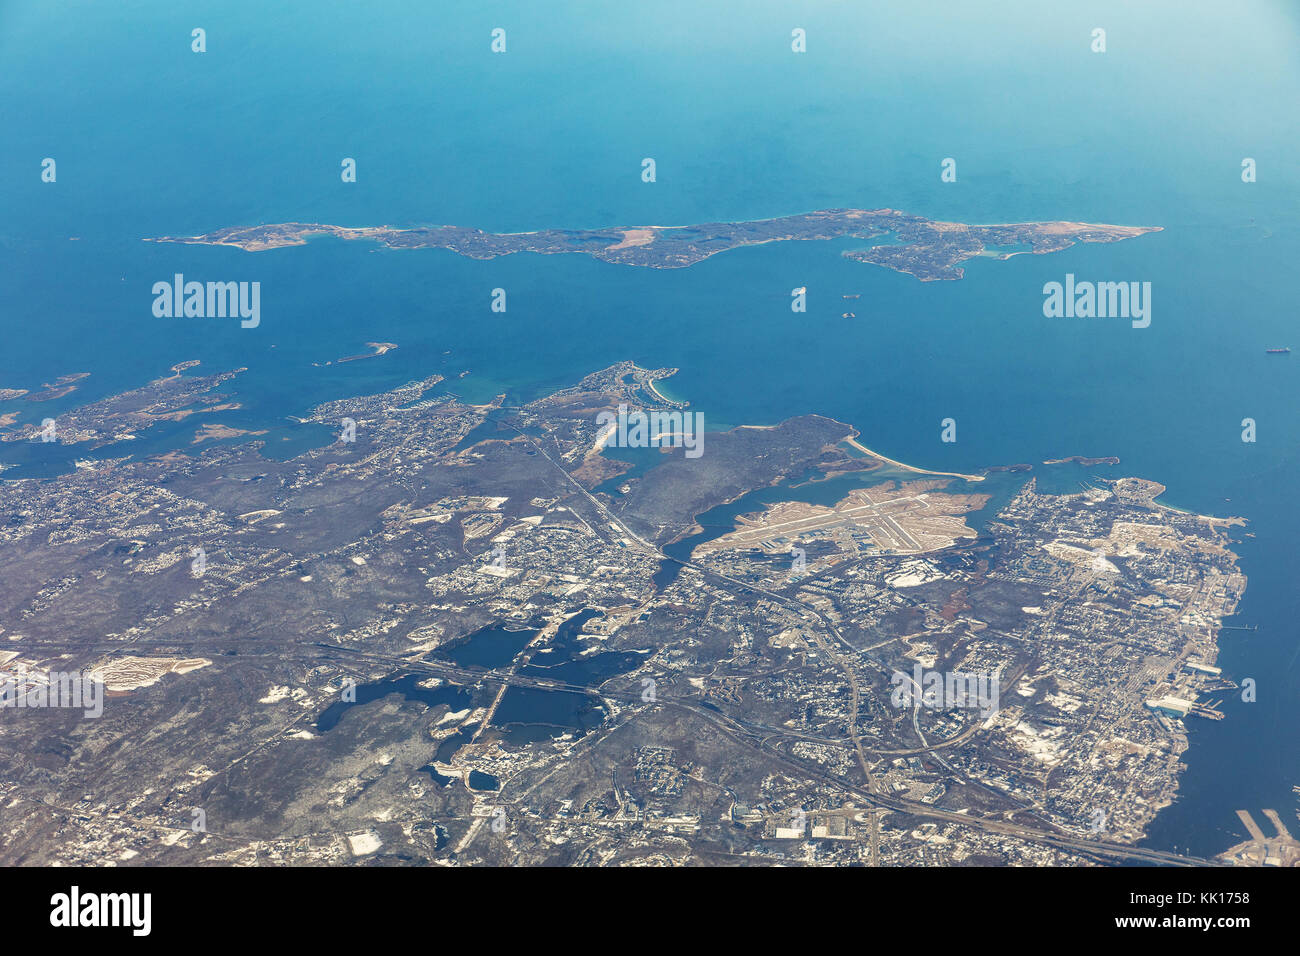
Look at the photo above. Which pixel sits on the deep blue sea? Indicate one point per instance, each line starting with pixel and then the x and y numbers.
pixel 152 139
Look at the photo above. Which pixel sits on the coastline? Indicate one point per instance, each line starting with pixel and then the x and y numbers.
pixel 649 383
pixel 853 441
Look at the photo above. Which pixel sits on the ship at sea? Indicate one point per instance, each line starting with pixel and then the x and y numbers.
pixel 1282 351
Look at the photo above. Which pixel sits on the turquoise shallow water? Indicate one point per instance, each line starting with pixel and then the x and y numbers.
pixel 152 139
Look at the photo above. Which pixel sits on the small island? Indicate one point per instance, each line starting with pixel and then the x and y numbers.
pixel 1081 460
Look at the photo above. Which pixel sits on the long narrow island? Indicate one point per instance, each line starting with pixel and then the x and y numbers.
pixel 914 245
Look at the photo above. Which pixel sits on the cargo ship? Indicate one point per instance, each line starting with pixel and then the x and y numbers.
pixel 1276 351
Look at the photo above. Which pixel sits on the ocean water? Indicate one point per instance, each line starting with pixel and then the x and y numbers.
pixel 152 139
